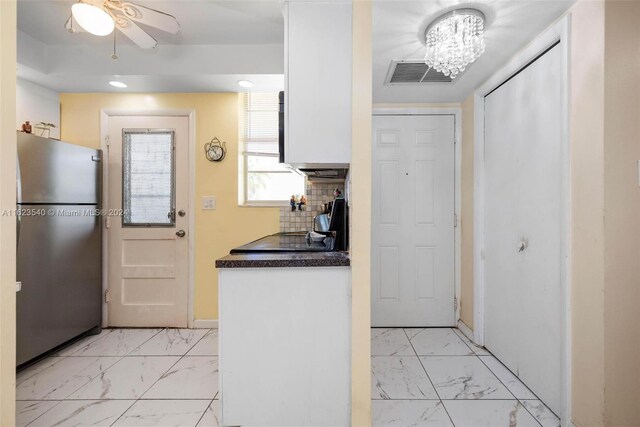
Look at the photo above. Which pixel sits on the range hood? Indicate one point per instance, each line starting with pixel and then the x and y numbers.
pixel 324 174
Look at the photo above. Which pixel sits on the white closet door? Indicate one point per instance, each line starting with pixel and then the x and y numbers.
pixel 523 225
pixel 412 221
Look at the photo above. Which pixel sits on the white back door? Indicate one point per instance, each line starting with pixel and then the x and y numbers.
pixel 148 255
pixel 413 206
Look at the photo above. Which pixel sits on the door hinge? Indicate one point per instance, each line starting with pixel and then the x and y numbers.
pixel 455 303
pixel 107 297
pixel 107 140
pixel 455 220
pixel 106 222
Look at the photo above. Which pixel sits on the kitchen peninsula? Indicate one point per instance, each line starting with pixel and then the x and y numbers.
pixel 285 333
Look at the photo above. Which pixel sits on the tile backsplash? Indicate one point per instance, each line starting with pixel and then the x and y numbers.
pixel 318 193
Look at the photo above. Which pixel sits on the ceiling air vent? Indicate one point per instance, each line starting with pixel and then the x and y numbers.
pixel 413 71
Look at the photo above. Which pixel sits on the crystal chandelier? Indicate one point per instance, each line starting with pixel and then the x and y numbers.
pixel 454 41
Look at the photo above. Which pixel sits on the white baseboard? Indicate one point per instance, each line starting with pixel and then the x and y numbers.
pixel 205 323
pixel 466 331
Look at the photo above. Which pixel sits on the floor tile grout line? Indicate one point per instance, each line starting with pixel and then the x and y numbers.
pixel 36 418
pixel 517 378
pixel 146 341
pixel 161 376
pixel 99 373
pixel 205 412
pixel 113 330
pixel 149 388
pixel 109 367
pixel 188 350
pixel 91 342
pixel 498 378
pixel 201 338
pixel 471 345
pixel 461 340
pixel 508 390
pixel 123 412
pixel 119 359
pixel 444 400
pixel 90 379
pixel 530 413
pixel 124 398
pixel 429 378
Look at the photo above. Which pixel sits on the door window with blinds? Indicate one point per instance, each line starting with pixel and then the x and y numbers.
pixel 148 179
pixel 264 181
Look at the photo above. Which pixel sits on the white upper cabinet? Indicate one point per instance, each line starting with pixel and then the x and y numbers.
pixel 318 82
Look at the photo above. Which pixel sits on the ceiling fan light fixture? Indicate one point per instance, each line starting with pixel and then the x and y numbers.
pixel 455 40
pixel 91 16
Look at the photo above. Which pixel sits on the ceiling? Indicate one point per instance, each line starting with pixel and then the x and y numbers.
pixel 398 33
pixel 202 22
pixel 221 42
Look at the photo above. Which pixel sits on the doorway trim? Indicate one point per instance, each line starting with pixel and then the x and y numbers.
pixel 456 112
pixel 105 114
pixel 559 32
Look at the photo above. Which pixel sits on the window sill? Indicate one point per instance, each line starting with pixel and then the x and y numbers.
pixel 264 205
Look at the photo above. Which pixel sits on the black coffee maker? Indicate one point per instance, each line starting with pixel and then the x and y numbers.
pixel 339 223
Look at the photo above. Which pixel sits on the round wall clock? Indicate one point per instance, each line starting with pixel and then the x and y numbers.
pixel 215 150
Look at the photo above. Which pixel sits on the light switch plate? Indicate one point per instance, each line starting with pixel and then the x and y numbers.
pixel 208 203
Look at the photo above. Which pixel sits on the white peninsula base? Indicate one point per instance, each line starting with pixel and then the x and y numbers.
pixel 285 336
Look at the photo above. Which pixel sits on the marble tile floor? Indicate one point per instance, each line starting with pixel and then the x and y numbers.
pixel 437 377
pixel 169 377
pixel 125 377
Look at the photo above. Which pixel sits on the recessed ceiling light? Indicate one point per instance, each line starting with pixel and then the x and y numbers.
pixel 245 83
pixel 117 84
pixel 93 18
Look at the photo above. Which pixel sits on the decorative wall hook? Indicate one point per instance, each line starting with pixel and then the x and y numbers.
pixel 215 151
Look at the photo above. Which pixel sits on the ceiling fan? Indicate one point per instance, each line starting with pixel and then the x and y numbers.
pixel 102 17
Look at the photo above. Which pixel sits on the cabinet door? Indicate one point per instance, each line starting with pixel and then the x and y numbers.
pixel 318 82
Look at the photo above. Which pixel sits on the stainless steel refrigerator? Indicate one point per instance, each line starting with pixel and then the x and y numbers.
pixel 59 252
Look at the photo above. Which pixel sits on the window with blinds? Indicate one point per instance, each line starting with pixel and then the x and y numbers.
pixel 264 179
pixel 148 178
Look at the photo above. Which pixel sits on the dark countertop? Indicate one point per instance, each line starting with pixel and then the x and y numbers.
pixel 283 259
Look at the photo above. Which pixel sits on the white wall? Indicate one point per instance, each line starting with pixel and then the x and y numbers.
pixel 37 104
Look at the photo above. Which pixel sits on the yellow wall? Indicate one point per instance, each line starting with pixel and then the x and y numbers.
pixel 466 214
pixel 7 201
pixel 360 213
pixel 622 213
pixel 218 231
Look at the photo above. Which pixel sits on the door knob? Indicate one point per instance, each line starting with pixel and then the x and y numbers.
pixel 180 233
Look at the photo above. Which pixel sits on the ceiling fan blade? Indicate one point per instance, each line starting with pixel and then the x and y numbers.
pixel 146 16
pixel 135 33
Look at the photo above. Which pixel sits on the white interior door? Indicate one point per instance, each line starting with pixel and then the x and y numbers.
pixel 412 258
pixel 148 246
pixel 523 225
